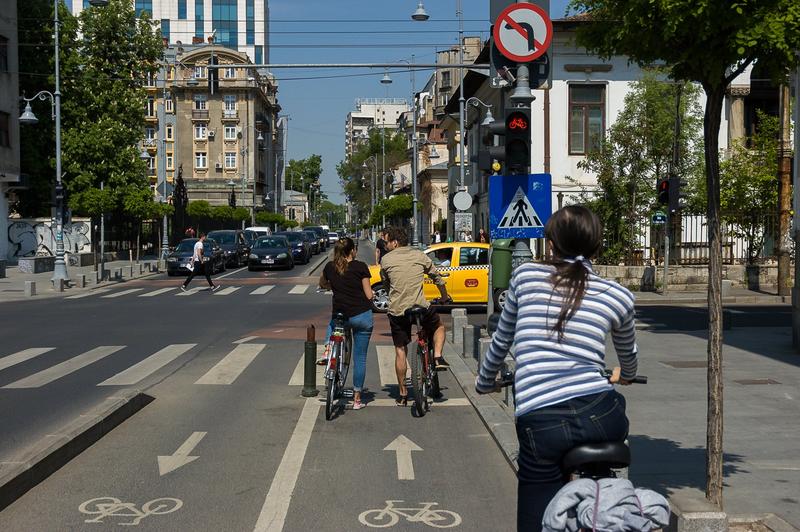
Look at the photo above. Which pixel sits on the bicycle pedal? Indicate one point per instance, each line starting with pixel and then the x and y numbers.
pixel 348 393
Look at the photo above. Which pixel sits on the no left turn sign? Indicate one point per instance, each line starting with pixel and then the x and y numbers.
pixel 523 32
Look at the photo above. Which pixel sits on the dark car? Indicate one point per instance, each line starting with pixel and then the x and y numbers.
pixel 301 249
pixel 181 256
pixel 313 241
pixel 235 247
pixel 322 234
pixel 270 252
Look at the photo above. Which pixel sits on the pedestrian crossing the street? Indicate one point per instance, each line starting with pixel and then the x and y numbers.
pixel 225 290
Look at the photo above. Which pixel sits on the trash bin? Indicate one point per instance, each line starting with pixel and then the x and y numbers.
pixel 501 269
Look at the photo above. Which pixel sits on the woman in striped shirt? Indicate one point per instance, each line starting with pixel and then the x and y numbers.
pixel 558 316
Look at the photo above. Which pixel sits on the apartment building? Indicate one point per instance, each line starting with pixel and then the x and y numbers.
pixel 369 113
pixel 9 119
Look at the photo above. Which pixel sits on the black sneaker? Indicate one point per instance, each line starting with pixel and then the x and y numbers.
pixel 215 288
pixel 441 363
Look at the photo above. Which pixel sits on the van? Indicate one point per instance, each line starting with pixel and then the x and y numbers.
pixel 253 233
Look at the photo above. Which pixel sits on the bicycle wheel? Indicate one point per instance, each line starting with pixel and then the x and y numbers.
pixel 347 346
pixel 418 381
pixel 332 380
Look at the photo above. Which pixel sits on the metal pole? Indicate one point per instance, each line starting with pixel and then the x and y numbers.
pixel 461 170
pixel 102 240
pixel 310 364
pixel 414 163
pixel 666 252
pixel 60 269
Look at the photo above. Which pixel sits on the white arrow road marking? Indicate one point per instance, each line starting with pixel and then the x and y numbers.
pixel 402 447
pixel 168 464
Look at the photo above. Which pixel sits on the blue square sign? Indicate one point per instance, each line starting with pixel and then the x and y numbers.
pixel 519 205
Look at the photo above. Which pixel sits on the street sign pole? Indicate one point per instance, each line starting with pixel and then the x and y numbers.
pixel 666 252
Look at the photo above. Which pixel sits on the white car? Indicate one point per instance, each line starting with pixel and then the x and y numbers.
pixel 333 237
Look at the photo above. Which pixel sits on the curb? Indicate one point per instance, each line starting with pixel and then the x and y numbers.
pixel 702 301
pixel 53 451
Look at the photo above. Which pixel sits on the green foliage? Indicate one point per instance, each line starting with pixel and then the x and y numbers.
pixel 395 208
pixel 302 173
pixel 269 218
pixel 103 107
pixel 222 213
pixel 199 209
pixel 241 214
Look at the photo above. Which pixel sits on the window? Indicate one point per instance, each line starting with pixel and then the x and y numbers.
pixel 200 131
pixel 230 73
pixel 165 28
pixel 250 24
pixel 586 118
pixel 170 161
pixel 230 132
pixel 150 79
pixel 151 166
pixel 200 159
pixel 259 55
pixel 168 132
pixel 442 257
pixel 224 19
pixel 181 9
pixel 198 19
pixel 446 79
pixel 151 106
pixel 443 98
pixel 230 102
pixel 144 5
pixel 230 159
pixel 168 105
pixel 5 131
pixel 3 54
pixel 200 101
pixel 199 72
pixel 473 257
pixel 150 133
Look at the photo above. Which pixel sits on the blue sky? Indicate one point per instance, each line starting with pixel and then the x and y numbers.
pixel 355 31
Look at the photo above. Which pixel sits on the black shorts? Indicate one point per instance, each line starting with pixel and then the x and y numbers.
pixel 401 327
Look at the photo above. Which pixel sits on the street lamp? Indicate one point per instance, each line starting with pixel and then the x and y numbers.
pixel 488 119
pixel 420 14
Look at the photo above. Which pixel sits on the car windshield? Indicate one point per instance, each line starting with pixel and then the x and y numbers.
pixel 271 242
pixel 333 235
pixel 292 237
pixel 186 245
pixel 223 238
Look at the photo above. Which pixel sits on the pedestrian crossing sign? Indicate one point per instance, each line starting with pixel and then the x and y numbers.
pixel 519 205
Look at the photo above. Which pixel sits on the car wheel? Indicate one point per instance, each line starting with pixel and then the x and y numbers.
pixel 380 298
pixel 499 296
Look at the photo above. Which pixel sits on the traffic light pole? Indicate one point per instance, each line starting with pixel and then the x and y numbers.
pixel 666 252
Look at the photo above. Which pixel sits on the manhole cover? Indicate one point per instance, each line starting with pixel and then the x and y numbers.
pixel 755 382
pixel 683 364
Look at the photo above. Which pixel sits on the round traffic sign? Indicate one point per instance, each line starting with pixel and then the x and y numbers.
pixel 523 32
pixel 462 200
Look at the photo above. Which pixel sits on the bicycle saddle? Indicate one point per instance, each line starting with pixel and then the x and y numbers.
pixel 613 453
pixel 416 310
pixel 338 316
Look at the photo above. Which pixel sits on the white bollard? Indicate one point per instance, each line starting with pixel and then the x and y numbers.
pixel 30 288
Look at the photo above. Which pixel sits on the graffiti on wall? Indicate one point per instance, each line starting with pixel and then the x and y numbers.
pixel 28 238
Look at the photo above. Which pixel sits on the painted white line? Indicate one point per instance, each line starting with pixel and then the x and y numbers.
pixel 95 292
pixel 457 401
pixel 229 273
pixel 227 291
pixel 168 464
pixel 123 293
pixel 402 448
pixel 299 289
pixel 245 339
pixel 65 368
pixel 191 291
pixel 262 290
pixel 297 374
pixel 148 366
pixel 229 368
pixel 273 514
pixel 157 292
pixel 22 356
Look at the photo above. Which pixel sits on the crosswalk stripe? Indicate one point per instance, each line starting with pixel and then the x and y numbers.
pixel 299 289
pixel 297 375
pixel 148 366
pixel 95 292
pixel 262 290
pixel 245 339
pixel 226 291
pixel 157 292
pixel 229 368
pixel 22 356
pixel 191 291
pixel 65 368
pixel 123 293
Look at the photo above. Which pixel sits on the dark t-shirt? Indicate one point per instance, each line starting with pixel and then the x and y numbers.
pixel 348 290
pixel 380 245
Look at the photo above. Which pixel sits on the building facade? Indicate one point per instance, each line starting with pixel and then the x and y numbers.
pixel 239 24
pixel 9 117
pixel 369 113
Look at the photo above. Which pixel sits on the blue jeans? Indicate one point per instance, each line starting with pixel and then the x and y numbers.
pixel 361 326
pixel 545 435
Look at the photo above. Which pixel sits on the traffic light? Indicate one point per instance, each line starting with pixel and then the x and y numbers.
pixel 213 75
pixel 662 189
pixel 490 131
pixel 676 198
pixel 518 138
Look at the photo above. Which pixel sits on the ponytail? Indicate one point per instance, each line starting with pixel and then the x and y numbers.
pixel 341 252
pixel 570 275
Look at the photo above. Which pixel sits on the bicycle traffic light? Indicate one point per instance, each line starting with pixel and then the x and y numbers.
pixel 662 190
pixel 518 138
pixel 676 198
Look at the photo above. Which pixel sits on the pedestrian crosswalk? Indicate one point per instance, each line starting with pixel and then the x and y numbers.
pixel 225 290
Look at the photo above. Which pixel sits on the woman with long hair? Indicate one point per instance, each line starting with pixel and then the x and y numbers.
pixel 558 315
pixel 352 296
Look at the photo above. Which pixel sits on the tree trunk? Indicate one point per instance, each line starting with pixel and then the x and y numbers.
pixel 711 124
pixel 784 195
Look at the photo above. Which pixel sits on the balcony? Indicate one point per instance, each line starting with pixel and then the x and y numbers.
pixel 199 114
pixel 230 114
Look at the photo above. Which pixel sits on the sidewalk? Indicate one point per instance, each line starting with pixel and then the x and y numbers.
pixel 736 296
pixel 668 417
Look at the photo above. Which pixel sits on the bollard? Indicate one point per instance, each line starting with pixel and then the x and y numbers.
pixel 58 285
pixel 30 288
pixel 483 348
pixel 131 270
pixel 118 274
pixel 141 268
pixel 81 280
pixel 472 333
pixel 459 322
pixel 310 366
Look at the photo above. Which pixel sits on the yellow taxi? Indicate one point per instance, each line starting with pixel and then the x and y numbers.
pixel 464 266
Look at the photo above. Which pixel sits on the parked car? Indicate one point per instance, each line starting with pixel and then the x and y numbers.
pixel 301 249
pixel 181 256
pixel 322 234
pixel 235 247
pixel 313 241
pixel 270 252
pixel 333 238
pixel 464 266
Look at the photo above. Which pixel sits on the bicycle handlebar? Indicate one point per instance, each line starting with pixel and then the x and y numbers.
pixel 507 379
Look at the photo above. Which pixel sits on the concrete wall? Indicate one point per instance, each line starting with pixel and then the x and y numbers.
pixel 687 277
pixel 24 237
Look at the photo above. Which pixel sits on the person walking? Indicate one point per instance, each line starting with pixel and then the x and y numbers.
pixel 352 296
pixel 483 238
pixel 380 246
pixel 558 316
pixel 437 237
pixel 199 265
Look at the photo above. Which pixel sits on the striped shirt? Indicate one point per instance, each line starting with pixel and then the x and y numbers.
pixel 549 371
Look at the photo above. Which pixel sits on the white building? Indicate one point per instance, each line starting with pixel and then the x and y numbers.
pixel 9 118
pixel 240 24
pixel 372 113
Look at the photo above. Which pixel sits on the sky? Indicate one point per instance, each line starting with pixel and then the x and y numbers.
pixel 356 31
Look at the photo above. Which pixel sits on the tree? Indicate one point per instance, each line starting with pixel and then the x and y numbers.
pixel 104 106
pixel 302 173
pixel 710 42
pixel 636 152
pixel 331 213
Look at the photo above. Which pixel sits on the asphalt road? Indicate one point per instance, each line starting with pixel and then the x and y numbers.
pixel 228 443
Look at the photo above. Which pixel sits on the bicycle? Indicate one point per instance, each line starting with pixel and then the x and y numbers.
pixel 390 515
pixel 423 369
pixel 338 363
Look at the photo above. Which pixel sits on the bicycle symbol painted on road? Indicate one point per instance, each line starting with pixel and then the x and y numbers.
pixel 113 507
pixel 390 515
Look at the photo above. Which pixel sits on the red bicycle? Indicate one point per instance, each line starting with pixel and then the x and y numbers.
pixel 423 369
